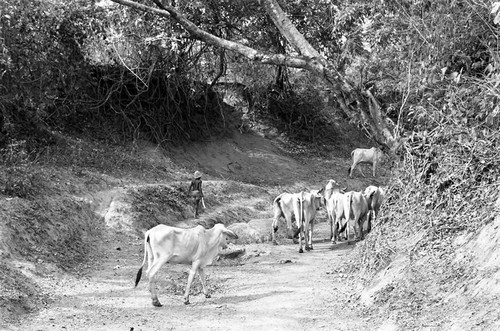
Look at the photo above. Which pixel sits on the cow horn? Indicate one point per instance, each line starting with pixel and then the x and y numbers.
pixel 231 234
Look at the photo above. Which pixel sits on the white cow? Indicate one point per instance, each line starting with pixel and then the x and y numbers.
pixel 196 246
pixel 349 206
pixel 374 196
pixel 300 206
pixel 337 206
pixel 331 187
pixel 332 193
pixel 309 203
pixel 358 210
pixel 284 205
pixel 373 156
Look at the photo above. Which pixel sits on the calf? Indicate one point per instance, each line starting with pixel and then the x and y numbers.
pixel 196 246
pixel 372 156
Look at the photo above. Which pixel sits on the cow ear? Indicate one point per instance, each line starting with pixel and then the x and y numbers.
pixel 321 191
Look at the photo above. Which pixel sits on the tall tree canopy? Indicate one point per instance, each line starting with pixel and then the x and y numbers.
pixel 354 102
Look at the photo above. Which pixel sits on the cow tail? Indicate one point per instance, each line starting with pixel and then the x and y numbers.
pixel 348 216
pixel 277 212
pixel 146 250
pixel 348 213
pixel 349 170
pixel 342 228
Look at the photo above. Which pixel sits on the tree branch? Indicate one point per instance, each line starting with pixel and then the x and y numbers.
pixel 289 31
pixel 310 60
pixel 250 53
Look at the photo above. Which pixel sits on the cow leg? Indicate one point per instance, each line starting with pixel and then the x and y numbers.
pixel 335 233
pixel 369 219
pixel 357 229
pixel 274 230
pixel 308 235
pixel 192 273
pixel 333 241
pixel 297 213
pixel 374 167
pixel 364 219
pixel 359 223
pixel 301 236
pixel 203 280
pixel 342 230
pixel 352 169
pixel 361 171
pixel 151 272
pixel 311 235
pixel 330 219
pixel 347 231
pixel 288 219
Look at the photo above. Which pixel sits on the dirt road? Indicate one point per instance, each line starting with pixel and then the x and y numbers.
pixel 269 288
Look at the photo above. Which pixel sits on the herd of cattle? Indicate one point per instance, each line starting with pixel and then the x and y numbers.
pixel 199 246
pixel 342 208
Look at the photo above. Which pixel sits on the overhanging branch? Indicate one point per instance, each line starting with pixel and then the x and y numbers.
pixel 248 52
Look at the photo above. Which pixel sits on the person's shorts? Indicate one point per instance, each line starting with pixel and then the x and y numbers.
pixel 196 195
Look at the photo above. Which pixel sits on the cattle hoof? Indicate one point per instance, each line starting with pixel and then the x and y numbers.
pixel 157 303
pixel 301 250
pixel 208 296
pixel 186 302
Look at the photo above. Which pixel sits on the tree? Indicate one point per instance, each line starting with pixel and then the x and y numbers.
pixel 355 103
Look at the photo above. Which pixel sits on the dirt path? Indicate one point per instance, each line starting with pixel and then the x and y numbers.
pixel 270 288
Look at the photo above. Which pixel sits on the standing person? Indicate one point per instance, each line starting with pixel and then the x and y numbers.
pixel 196 192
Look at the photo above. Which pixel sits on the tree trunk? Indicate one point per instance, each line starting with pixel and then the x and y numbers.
pixel 358 105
